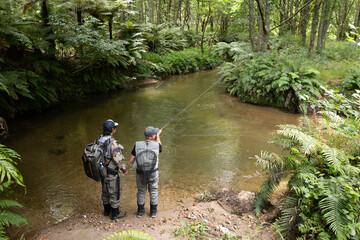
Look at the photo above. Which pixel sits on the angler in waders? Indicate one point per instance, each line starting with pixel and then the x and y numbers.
pixel 113 161
pixel 145 158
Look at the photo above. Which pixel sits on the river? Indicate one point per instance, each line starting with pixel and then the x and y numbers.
pixel 208 147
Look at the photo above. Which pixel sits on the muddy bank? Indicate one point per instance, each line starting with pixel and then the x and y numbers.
pixel 218 221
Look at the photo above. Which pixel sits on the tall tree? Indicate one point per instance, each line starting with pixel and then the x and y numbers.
pixel 314 25
pixel 303 22
pixel 326 14
pixel 251 22
pixel 342 18
pixel 357 18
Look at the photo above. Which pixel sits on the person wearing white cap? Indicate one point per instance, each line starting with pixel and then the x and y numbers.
pixel 113 162
pixel 145 158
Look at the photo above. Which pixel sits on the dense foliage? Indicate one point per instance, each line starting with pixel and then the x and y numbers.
pixel 323 163
pixel 272 79
pixel 180 62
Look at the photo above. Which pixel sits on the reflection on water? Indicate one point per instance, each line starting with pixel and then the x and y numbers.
pixel 206 147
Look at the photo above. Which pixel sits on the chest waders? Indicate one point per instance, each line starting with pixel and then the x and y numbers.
pixel 111 182
pixel 147 174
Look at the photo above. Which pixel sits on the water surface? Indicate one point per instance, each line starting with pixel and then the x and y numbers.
pixel 206 147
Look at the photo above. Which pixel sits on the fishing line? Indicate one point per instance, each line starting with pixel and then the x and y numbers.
pixel 177 115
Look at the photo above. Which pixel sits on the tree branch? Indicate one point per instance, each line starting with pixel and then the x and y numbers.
pixel 291 15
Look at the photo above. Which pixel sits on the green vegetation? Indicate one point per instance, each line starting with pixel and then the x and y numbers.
pixel 180 62
pixel 280 53
pixel 324 168
pixel 272 79
pixel 9 175
pixel 193 230
pixel 286 77
pixel 132 234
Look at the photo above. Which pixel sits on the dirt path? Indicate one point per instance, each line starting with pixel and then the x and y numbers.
pixel 210 214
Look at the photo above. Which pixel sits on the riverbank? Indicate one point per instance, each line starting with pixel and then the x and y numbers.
pixel 170 224
pixel 68 84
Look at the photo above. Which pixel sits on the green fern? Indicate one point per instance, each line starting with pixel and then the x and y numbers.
pixel 131 234
pixel 333 206
pixel 8 171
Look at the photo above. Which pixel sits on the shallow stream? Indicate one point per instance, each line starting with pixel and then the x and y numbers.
pixel 205 148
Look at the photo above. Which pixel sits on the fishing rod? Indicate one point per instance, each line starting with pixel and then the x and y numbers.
pixel 177 115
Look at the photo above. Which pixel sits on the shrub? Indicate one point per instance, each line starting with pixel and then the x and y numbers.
pixel 177 62
pixel 272 79
pixel 324 168
pixel 352 78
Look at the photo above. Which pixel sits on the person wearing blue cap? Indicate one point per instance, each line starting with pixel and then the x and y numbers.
pixel 145 159
pixel 113 161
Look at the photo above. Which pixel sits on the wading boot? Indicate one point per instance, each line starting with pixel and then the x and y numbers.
pixel 141 210
pixel 107 209
pixel 116 214
pixel 153 211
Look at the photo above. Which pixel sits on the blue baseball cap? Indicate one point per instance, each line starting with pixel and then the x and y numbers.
pixel 109 124
pixel 149 131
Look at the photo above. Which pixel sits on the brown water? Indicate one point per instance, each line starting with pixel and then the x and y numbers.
pixel 207 147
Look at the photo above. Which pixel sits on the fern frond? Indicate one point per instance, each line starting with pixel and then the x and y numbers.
pixel 334 157
pixel 9 218
pixel 266 190
pixel 308 143
pixel 332 208
pixel 350 170
pixel 289 216
pixel 269 160
pixel 5 203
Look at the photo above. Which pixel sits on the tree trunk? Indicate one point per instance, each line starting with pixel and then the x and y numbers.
pixel 213 37
pixel 260 33
pixel 141 11
pixel 357 18
pixel 326 15
pixel 314 24
pixel 168 15
pixel 177 12
pixel 303 22
pixel 291 12
pixel 110 27
pixel 159 17
pixel 151 11
pixel 267 26
pixel 45 18
pixel 294 20
pixel 198 17
pixel 78 15
pixel 264 24
pixel 187 14
pixel 251 23
pixel 283 15
pixel 342 19
pixel 204 28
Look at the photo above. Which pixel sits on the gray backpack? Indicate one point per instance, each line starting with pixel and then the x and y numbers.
pixel 93 158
